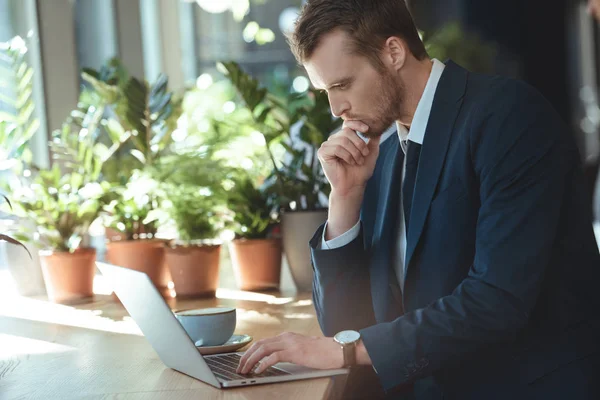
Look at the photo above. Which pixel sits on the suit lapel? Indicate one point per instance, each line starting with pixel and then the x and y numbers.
pixel 445 109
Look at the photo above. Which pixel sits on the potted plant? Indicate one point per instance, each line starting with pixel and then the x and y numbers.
pixel 256 250
pixel 193 258
pixel 62 202
pixel 148 114
pixel 135 246
pixel 193 204
pixel 62 209
pixel 298 124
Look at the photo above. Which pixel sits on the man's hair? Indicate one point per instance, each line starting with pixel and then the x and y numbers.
pixel 369 23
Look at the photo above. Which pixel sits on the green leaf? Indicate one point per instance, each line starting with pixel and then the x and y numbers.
pixel 6 199
pixel 155 215
pixel 157 106
pixel 101 151
pixel 106 89
pixel 76 181
pixel 89 74
pixel 139 155
pixel 4 116
pixel 115 130
pixel 160 85
pixel 247 87
pixel 97 169
pixel 90 207
pixel 88 155
pixel 27 156
pixel 263 115
pixel 30 130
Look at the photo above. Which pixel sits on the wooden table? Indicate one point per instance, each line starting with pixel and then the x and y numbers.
pixel 96 351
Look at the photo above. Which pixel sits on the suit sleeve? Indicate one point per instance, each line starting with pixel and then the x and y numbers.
pixel 520 156
pixel 341 285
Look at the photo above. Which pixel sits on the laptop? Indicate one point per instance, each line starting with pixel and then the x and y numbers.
pixel 177 351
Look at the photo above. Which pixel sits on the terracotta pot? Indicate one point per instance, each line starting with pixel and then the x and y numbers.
pixel 141 255
pixel 194 269
pixel 69 277
pixel 298 227
pixel 256 263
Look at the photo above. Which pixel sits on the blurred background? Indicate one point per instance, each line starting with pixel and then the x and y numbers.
pixel 139 110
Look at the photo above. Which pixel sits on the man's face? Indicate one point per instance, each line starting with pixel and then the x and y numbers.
pixel 356 89
pixel 594 8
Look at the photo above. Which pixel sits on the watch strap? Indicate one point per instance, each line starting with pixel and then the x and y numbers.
pixel 349 355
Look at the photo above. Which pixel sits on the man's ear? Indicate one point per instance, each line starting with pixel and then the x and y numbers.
pixel 394 53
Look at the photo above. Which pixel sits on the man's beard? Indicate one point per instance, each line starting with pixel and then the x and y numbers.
pixel 387 109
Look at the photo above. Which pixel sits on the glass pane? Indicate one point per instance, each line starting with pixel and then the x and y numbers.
pixel 95 32
pixel 21 78
pixel 252 38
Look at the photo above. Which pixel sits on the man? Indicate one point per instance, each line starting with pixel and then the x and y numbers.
pixel 458 252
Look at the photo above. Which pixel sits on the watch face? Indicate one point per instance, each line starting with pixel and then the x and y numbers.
pixel 345 337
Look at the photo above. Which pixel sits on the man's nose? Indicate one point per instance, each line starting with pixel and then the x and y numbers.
pixel 338 106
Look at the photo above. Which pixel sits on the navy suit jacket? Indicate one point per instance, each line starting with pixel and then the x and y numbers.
pixel 501 259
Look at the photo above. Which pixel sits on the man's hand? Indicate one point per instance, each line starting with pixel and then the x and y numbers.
pixel 347 161
pixel 309 351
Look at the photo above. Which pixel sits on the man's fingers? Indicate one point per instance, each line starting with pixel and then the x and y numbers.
pixel 258 345
pixel 356 125
pixel 352 147
pixel 261 352
pixel 356 140
pixel 251 351
pixel 330 151
pixel 272 359
pixel 350 128
pixel 343 148
pixel 353 137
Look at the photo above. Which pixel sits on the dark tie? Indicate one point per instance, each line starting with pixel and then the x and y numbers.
pixel 413 151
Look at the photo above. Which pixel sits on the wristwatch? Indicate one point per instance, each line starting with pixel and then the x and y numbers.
pixel 348 340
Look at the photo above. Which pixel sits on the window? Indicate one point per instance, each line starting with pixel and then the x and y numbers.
pixel 251 36
pixel 95 32
pixel 19 18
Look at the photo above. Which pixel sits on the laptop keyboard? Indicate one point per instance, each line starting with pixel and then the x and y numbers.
pixel 224 366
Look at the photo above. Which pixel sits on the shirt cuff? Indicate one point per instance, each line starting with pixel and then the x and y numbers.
pixel 341 240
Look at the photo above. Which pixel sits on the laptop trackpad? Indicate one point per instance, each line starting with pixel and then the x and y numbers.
pixel 295 368
pixel 311 372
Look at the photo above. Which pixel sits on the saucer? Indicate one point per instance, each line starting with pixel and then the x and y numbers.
pixel 235 342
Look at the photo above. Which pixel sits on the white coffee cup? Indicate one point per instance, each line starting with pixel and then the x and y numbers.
pixel 208 326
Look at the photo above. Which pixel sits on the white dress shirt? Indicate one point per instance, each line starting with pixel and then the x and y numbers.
pixel 416 135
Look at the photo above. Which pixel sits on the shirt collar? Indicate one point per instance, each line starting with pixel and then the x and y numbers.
pixel 421 117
